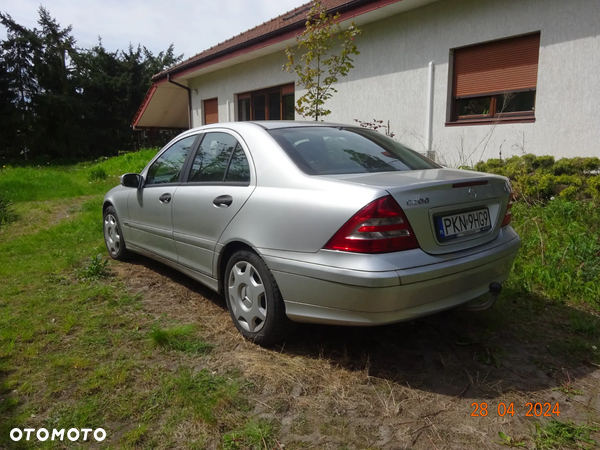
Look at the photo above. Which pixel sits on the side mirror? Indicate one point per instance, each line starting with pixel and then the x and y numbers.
pixel 132 180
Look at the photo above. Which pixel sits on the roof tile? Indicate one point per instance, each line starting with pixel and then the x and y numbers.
pixel 289 19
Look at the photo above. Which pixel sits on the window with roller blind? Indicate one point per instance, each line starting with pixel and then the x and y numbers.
pixel 496 81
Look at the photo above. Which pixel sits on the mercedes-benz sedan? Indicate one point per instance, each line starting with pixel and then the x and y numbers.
pixel 315 222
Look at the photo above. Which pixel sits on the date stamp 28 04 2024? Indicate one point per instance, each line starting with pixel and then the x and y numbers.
pixel 482 409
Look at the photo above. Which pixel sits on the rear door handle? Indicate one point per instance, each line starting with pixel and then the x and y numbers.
pixel 223 201
pixel 165 198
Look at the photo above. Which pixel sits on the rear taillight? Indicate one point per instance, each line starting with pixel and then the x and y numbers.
pixel 508 214
pixel 379 227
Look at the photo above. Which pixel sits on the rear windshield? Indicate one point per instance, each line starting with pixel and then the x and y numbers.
pixel 330 151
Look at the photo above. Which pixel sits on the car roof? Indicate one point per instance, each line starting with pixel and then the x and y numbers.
pixel 272 124
pixel 275 124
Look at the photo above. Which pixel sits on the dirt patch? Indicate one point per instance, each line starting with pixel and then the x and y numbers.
pixel 409 385
pixel 42 215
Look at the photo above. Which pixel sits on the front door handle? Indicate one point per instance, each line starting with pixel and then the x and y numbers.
pixel 165 198
pixel 223 201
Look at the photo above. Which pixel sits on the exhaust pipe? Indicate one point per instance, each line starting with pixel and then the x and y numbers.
pixel 495 289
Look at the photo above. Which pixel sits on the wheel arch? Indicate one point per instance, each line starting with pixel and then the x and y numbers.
pixel 106 205
pixel 224 257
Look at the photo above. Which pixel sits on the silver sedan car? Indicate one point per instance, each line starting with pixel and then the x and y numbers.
pixel 315 222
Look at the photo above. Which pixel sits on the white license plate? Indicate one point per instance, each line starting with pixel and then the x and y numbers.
pixel 463 224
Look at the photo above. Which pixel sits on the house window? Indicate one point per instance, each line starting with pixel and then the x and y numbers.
pixel 211 111
pixel 267 104
pixel 496 81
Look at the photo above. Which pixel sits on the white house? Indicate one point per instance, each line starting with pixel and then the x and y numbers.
pixel 466 80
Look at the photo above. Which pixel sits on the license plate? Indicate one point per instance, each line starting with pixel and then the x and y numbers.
pixel 463 224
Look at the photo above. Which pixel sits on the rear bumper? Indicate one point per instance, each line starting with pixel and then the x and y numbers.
pixel 320 293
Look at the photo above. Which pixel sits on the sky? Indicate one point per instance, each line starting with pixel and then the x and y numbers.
pixel 192 26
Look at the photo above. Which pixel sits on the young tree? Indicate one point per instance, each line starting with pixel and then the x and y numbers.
pixel 320 68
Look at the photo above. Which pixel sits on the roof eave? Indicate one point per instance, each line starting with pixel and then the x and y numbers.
pixel 184 67
pixel 217 55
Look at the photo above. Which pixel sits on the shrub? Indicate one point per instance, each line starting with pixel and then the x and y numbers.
pixel 539 178
pixel 569 193
pixel 594 187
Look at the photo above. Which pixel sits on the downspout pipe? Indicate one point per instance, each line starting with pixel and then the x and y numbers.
pixel 429 118
pixel 189 92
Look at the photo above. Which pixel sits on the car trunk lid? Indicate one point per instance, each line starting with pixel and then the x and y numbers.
pixel 449 210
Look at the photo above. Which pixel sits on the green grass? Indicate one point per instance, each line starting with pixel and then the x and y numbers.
pixel 97 268
pixel 509 441
pixel 202 394
pixel 254 436
pixel 78 350
pixel 97 172
pixel 37 183
pixel 179 338
pixel 7 213
pixel 556 434
pixel 560 250
pixel 74 350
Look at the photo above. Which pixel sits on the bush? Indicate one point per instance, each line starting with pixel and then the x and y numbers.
pixel 539 178
pixel 594 187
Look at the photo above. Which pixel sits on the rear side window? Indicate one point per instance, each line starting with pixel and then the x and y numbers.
pixel 239 170
pixel 330 151
pixel 219 158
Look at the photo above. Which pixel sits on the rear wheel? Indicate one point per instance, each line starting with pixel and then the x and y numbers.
pixel 253 299
pixel 112 235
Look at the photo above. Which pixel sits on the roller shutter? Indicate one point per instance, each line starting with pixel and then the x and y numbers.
pixel 497 67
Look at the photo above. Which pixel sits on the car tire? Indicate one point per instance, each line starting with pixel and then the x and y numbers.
pixel 253 299
pixel 113 238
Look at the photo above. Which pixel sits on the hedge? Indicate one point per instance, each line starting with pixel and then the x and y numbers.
pixel 542 178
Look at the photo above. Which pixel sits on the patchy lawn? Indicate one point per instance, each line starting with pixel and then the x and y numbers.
pixel 153 358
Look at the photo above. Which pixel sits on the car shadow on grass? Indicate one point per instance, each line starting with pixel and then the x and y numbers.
pixel 525 343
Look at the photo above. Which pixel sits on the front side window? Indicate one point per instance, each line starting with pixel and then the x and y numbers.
pixel 167 167
pixel 496 81
pixel 219 158
pixel 331 151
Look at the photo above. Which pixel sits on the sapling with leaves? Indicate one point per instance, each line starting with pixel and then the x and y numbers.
pixel 320 67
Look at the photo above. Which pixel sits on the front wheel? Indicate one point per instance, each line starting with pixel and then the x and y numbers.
pixel 253 299
pixel 112 235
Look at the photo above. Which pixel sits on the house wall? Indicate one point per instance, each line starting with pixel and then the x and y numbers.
pixel 390 79
pixel 227 83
